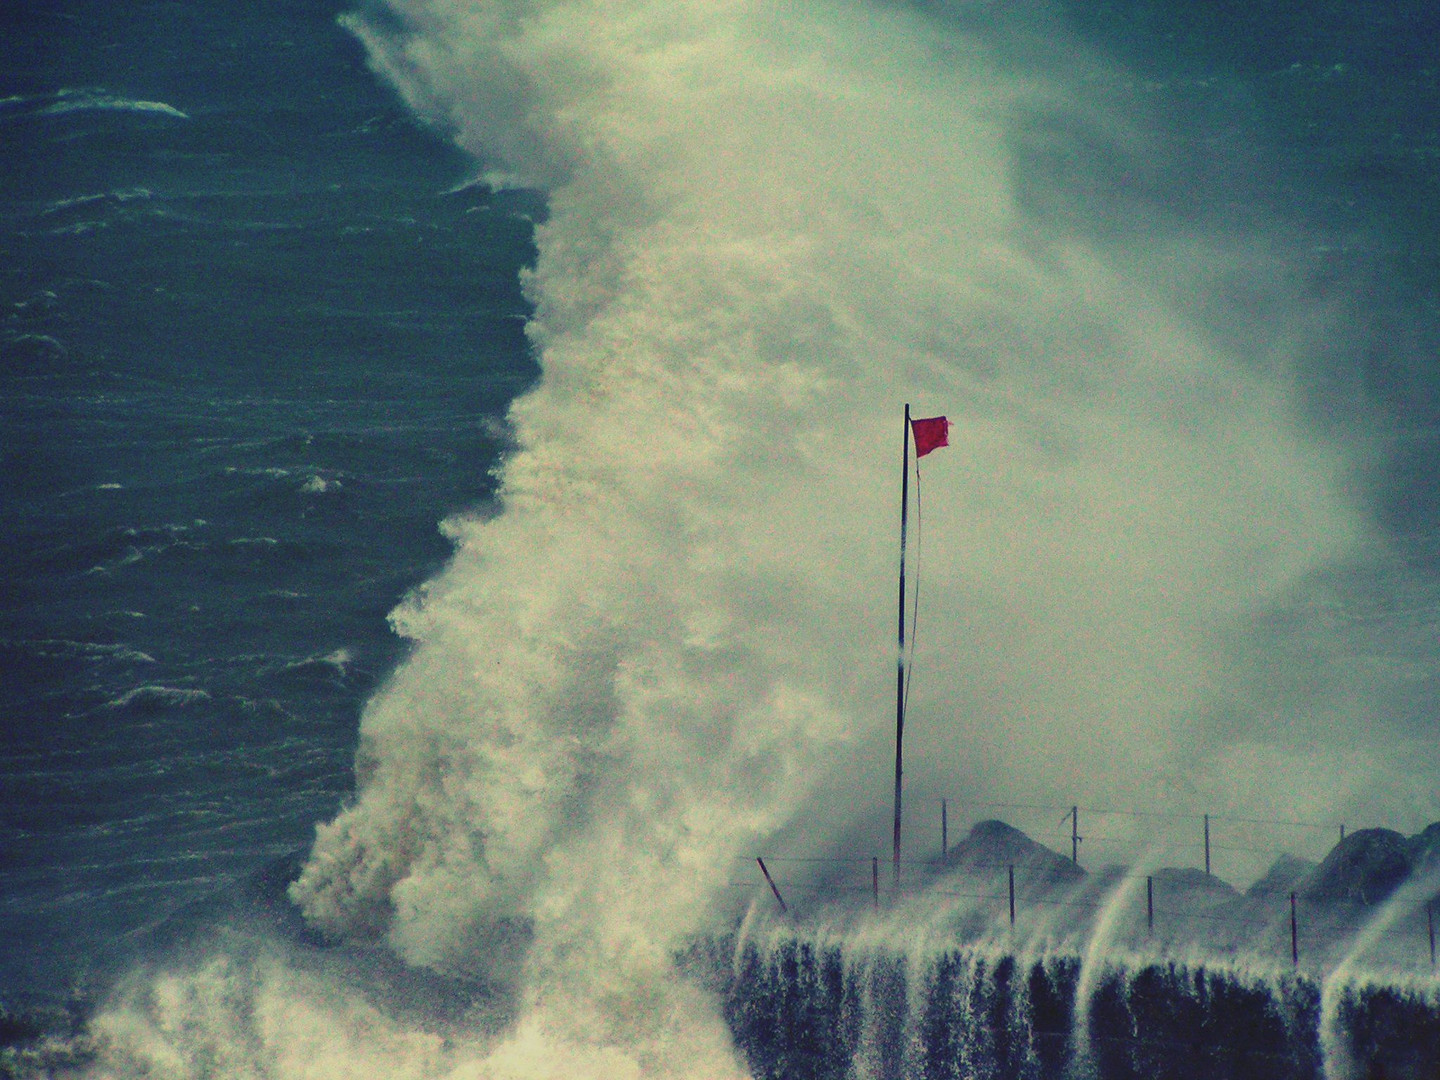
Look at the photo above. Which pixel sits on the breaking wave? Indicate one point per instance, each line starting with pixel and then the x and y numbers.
pixel 769 228
pixel 77 100
pixel 153 698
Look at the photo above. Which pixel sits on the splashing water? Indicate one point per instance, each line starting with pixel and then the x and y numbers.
pixel 769 227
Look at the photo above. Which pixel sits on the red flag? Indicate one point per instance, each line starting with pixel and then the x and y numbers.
pixel 930 434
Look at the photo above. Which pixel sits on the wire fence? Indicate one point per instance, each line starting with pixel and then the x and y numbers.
pixel 1089 830
pixel 1166 901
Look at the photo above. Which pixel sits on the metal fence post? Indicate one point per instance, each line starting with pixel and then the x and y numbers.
pixel 1294 934
pixel 1430 925
pixel 771 882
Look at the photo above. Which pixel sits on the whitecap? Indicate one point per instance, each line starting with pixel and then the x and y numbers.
pixel 318 485
pixel 72 101
pixel 119 195
pixel 45 298
pixel 274 471
pixel 150 697
pixel 65 649
pixel 337 662
pixel 80 228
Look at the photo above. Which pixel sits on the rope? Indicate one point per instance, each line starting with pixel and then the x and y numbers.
pixel 915 605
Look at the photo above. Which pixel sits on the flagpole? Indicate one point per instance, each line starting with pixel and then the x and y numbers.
pixel 900 654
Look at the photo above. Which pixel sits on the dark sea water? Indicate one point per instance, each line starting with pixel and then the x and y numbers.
pixel 254 349
pixel 260 328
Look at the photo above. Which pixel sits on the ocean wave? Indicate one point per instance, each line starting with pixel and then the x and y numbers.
pixel 273 707
pixel 36 348
pixel 37 303
pixel 79 214
pixel 320 485
pixel 79 228
pixel 65 649
pixel 68 101
pixel 334 666
pixel 274 472
pixel 313 480
pixel 671 645
pixel 121 195
pixel 121 547
pixel 338 659
pixel 43 1038
pixel 155 698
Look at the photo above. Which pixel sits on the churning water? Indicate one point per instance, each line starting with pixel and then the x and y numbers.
pixel 1173 281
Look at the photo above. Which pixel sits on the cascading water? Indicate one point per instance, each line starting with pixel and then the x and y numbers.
pixel 768 227
pixel 1167 976
pixel 802 1006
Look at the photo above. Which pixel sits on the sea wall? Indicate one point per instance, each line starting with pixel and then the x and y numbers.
pixel 1007 961
pixel 806 1010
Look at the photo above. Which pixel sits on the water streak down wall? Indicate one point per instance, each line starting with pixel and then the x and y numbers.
pixel 805 1010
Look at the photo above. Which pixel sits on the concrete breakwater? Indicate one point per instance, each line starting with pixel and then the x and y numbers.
pixel 802 1011
pixel 1317 972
